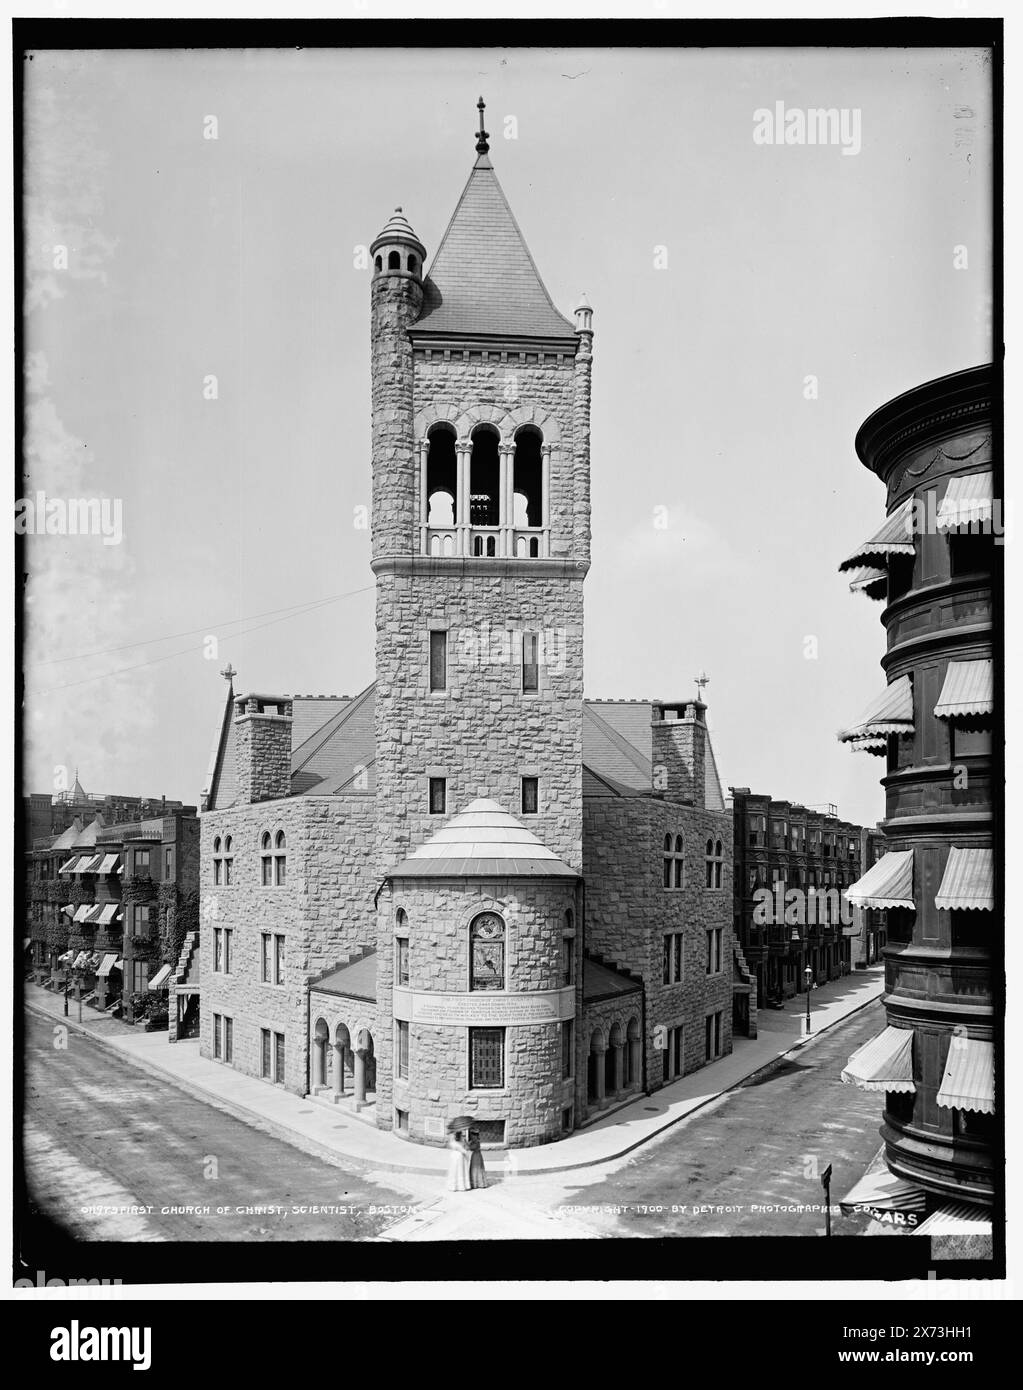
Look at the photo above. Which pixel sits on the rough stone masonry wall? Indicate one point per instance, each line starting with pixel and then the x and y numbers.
pixel 396 299
pixel 481 733
pixel 439 915
pixel 262 756
pixel 628 911
pixel 325 910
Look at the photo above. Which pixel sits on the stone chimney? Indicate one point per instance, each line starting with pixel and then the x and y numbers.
pixel 262 746
pixel 679 751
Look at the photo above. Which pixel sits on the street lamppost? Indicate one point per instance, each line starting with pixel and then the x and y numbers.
pixel 808 976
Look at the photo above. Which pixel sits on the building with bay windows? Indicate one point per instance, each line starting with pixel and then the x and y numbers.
pixel 467 890
pixel 935 725
pixel 116 905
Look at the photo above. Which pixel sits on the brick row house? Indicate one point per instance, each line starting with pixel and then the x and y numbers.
pixel 780 846
pixel 109 906
pixel 467 890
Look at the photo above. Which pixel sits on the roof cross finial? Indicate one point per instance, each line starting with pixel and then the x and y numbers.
pixel 229 674
pixel 481 142
pixel 702 680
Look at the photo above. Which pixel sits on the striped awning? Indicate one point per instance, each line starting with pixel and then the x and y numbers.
pixel 968 880
pixel 62 960
pixel 69 907
pixel 109 864
pixel 108 913
pixel 159 980
pixel 68 867
pixel 106 965
pixel 83 911
pixel 894 538
pixel 79 960
pixel 968 501
pixel 883 1064
pixel 969 1080
pixel 884 1192
pixel 870 581
pixel 969 689
pixel 88 864
pixel 888 883
pixel 956 1219
pixel 890 713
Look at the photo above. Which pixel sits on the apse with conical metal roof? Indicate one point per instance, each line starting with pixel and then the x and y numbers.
pixel 482 841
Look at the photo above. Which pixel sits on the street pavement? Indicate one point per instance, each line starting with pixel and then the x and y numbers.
pixel 104 1140
pixel 113 1129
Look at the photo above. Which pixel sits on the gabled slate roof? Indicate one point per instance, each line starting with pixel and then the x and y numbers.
pixel 483 281
pixel 334 751
pixel 618 750
pixel 331 738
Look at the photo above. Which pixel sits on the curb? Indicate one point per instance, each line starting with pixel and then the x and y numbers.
pixel 340 1158
pixel 237 1110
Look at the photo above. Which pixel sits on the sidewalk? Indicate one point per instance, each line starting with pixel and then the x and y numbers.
pixel 336 1136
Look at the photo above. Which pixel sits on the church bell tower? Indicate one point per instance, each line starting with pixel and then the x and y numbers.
pixel 481 543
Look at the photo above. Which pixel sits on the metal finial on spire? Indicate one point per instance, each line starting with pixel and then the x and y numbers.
pixel 702 680
pixel 229 674
pixel 481 142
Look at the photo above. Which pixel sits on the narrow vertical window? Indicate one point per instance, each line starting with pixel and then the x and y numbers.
pixel 530 795
pixel 217 1044
pixel 264 973
pixel 279 1058
pixel 438 796
pixel 530 663
pixel 264 1052
pixel 438 660
pixel 280 858
pixel 266 860
pixel 402 1049
pixel 486 1058
pixel 401 969
pixel 567 1048
pixel 278 960
pixel 228 1039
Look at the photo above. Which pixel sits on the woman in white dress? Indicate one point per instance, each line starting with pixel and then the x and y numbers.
pixel 458 1168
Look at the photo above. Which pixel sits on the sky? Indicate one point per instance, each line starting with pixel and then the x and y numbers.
pixel 197 350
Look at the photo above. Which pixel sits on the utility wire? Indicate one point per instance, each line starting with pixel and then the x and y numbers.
pixel 207 627
pixel 186 651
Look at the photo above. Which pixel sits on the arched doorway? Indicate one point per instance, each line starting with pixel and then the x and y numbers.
pixel 595 1069
pixel 365 1069
pixel 342 1059
pixel 633 1058
pixel 613 1061
pixel 321 1054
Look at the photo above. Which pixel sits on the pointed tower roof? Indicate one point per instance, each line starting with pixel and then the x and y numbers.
pixel 483 841
pixel 77 792
pixel 483 282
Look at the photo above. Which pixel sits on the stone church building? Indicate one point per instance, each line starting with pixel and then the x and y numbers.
pixel 467 890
